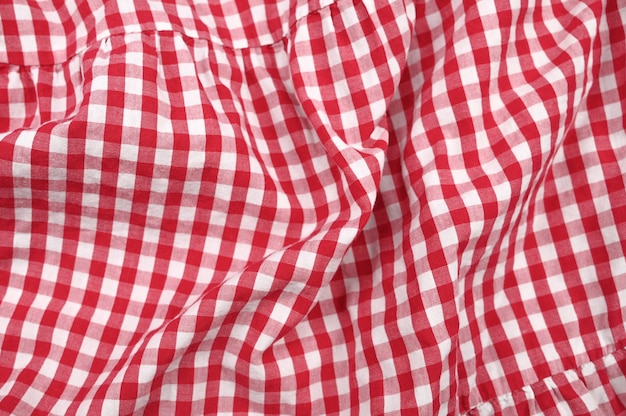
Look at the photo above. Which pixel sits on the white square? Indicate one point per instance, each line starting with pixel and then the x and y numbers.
pixel 199 388
pixel 606 337
pixel 139 293
pixel 61 406
pixel 475 107
pixel 439 87
pixel 196 127
pixel 468 75
pixel 116 257
pixel 527 291
pixel 60 42
pixel 521 150
pixel 567 314
pixel 280 313
pixel 405 326
pixel 423 393
pixel 176 269
pixel 151 236
pixel 54 244
pixel 470 198
pixel 603 204
pixel 159 185
pixel 91 176
pixel 212 245
pixel 495 370
pixel 523 361
pixel 264 341
pixel 229 360
pixel 145 263
pixel 239 332
pixel 34 395
pixel 126 181
pixel 29 330
pixel 129 152
pixel 579 243
pixel 48 369
pixel 71 309
pixel 503 192
pixel 331 322
pixel 392 403
pixel 96 113
pixel 467 352
pixel 448 237
pixel 100 317
pixel 163 156
pixel 361 49
pixel 340 353
pixel 80 280
pixel 56 196
pixel 361 169
pixel 41 301
pixel 146 372
pixel 184 12
pixel 109 287
pixel 21 240
pixel 435 315
pixel 77 377
pixel 132 118
pixel 122 205
pixel 426 281
pixel 613 111
pixel 312 92
pixel 537 322
pixel 547 252
pixel 85 250
pixel 489 164
pixel 4 323
pixel 196 159
pixel 538 112
pixel 90 200
pixel 550 352
pixel 190 97
pixel 286 368
pixel 57 174
pixel 618 266
pixel 130 324
pixel 379 336
pixel 557 284
pixel 164 125
pixel 349 119
pixel 540 222
pixel 343 385
pixel 28 42
pixel 155 211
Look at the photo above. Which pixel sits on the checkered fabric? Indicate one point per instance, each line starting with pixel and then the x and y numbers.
pixel 312 207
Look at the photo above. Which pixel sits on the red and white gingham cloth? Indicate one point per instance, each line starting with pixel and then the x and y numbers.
pixel 312 207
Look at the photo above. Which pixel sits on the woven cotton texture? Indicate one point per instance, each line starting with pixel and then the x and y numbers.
pixel 312 207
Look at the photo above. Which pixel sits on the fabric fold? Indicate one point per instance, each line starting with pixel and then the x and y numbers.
pixel 595 388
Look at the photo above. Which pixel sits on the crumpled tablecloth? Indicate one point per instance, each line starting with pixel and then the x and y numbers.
pixel 312 207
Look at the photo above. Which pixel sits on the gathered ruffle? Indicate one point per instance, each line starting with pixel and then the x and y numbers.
pixel 595 388
pixel 52 33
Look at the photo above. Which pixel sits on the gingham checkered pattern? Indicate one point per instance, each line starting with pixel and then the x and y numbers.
pixel 312 207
